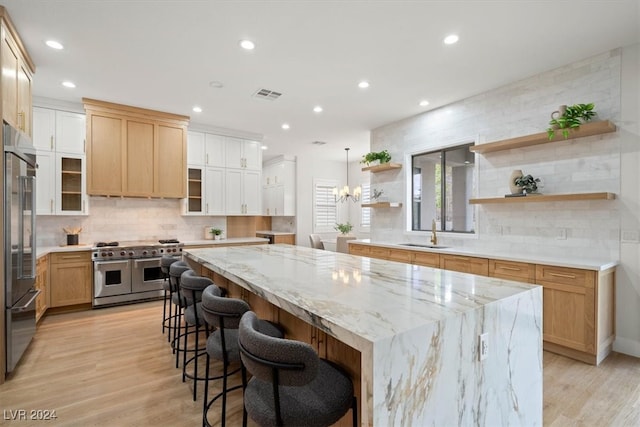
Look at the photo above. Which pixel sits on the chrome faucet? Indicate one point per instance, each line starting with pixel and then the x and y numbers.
pixel 434 238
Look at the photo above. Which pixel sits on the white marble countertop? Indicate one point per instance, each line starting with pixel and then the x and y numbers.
pixel 567 261
pixel 40 251
pixel 358 300
pixel 275 233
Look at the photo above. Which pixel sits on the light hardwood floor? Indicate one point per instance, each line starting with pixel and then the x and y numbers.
pixel 113 367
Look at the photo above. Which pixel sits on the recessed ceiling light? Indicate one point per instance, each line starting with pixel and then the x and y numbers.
pixel 216 84
pixel 423 103
pixel 197 109
pixel 247 44
pixel 264 147
pixel 286 126
pixel 363 84
pixel 54 44
pixel 317 109
pixel 451 39
pixel 68 84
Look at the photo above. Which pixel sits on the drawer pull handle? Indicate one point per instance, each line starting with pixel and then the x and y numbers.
pixel 566 276
pixel 510 268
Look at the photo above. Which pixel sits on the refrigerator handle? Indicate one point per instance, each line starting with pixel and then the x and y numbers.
pixel 23 190
pixel 23 307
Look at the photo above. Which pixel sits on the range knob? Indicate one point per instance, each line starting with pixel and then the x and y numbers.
pixel 144 252
pixel 110 254
pixel 153 252
pixel 131 253
pixel 103 254
pixel 123 253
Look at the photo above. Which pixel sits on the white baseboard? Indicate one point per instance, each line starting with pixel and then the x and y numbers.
pixel 627 346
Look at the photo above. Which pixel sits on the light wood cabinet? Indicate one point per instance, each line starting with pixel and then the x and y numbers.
pixel 17 72
pixel 135 152
pixel 427 259
pixel 362 250
pixel 465 264
pixel 512 270
pixel 70 278
pixel 578 311
pixel 42 284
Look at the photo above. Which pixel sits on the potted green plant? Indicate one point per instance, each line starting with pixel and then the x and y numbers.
pixel 372 157
pixel 569 118
pixel 216 233
pixel 344 228
pixel 527 183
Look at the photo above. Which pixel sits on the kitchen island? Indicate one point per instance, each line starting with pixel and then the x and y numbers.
pixel 415 331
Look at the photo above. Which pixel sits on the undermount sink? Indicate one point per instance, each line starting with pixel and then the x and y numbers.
pixel 420 245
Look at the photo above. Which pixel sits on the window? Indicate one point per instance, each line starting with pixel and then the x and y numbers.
pixel 325 212
pixel 365 216
pixel 443 182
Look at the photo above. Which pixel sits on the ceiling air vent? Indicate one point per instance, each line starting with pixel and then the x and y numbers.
pixel 269 95
pixel 318 143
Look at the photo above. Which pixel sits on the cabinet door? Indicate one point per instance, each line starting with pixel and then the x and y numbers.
pixel 140 158
pixel 171 151
pixel 9 59
pixel 465 264
pixel 251 192
pixel 427 259
pixel 71 129
pixel 252 155
pixel 24 98
pixel 215 191
pixel 233 153
pixel 45 183
pixel 70 279
pixel 71 194
pixel 234 203
pixel 105 153
pixel 511 270
pixel 195 148
pixel 400 255
pixel 194 203
pixel 44 129
pixel 42 284
pixel 362 250
pixel 278 200
pixel 214 150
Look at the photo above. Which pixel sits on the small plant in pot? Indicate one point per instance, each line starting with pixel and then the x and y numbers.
pixel 528 184
pixel 570 117
pixel 216 233
pixel 344 228
pixel 372 157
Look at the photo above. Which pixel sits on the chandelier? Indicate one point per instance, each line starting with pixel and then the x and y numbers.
pixel 344 193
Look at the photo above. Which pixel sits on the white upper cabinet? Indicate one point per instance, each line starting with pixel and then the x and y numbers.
pixel 71 129
pixel 195 148
pixel 205 149
pixel 243 154
pixel 278 187
pixel 242 192
pixel 44 128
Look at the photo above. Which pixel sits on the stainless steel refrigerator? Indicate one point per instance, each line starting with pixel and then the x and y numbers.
pixel 19 243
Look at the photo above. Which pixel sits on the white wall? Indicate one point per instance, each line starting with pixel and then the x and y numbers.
pixel 593 228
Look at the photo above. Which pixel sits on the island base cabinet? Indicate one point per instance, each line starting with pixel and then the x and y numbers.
pixel 578 312
pixel 70 279
pixel 327 347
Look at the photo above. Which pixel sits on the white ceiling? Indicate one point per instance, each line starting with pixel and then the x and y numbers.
pixel 162 55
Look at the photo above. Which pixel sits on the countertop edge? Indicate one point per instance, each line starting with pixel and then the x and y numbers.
pixel 594 265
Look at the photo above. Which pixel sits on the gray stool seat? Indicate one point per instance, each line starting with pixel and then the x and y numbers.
pixel 224 314
pixel 311 391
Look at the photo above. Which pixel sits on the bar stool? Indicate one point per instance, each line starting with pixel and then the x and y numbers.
pixel 191 288
pixel 291 385
pixel 165 263
pixel 175 271
pixel 224 315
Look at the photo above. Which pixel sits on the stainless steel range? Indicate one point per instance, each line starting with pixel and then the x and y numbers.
pixel 125 272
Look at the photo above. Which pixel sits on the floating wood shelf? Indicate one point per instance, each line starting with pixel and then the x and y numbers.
pixel 545 198
pixel 382 167
pixel 382 205
pixel 587 129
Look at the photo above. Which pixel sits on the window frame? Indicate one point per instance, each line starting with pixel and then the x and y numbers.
pixel 330 184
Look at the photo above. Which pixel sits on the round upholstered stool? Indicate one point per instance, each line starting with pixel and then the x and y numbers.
pixel 291 385
pixel 177 301
pixel 224 315
pixel 191 289
pixel 167 318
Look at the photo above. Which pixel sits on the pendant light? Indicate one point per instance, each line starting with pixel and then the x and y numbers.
pixel 344 193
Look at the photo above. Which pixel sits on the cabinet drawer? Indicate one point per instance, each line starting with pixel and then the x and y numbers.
pixel 511 270
pixel 567 276
pixel 400 255
pixel 381 253
pixel 428 259
pixel 63 257
pixel 465 264
pixel 355 249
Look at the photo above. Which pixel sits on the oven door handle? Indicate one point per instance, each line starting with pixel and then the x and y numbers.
pixel 136 262
pixel 98 263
